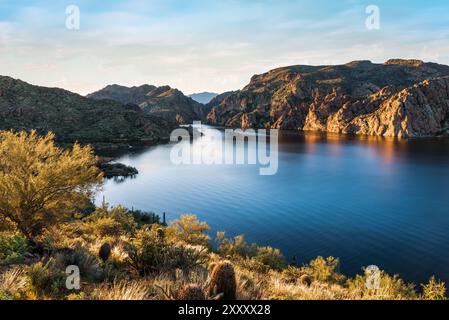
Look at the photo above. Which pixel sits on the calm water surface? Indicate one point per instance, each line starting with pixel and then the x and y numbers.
pixel 365 200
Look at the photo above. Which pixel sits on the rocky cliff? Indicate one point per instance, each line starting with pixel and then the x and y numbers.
pixel 400 98
pixel 168 103
pixel 73 117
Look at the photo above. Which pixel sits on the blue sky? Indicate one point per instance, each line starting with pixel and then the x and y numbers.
pixel 207 45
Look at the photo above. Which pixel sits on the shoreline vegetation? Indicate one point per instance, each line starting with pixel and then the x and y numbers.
pixel 48 223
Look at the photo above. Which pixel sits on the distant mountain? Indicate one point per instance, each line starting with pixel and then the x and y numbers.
pixel 73 117
pixel 165 102
pixel 219 99
pixel 203 97
pixel 399 98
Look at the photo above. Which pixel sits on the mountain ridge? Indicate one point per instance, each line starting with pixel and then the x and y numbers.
pixel 165 102
pixel 399 98
pixel 73 117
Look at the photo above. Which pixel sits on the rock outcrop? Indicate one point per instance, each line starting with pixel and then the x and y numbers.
pixel 73 117
pixel 400 98
pixel 165 102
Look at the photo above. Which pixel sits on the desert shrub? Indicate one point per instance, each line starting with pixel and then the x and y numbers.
pixel 291 274
pixel 253 265
pixel 434 290
pixel 189 230
pixel 390 288
pixel 324 270
pixel 223 281
pixel 12 248
pixel 65 235
pixel 113 222
pixel 87 263
pixel 270 257
pixel 149 253
pixel 238 247
pixel 46 280
pixel 143 218
pixel 234 247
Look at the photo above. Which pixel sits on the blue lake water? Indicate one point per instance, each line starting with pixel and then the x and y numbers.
pixel 365 200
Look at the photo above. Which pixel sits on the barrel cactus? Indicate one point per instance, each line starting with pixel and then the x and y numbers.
pixel 105 252
pixel 223 281
pixel 305 280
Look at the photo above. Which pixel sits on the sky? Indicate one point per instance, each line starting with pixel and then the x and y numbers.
pixel 207 45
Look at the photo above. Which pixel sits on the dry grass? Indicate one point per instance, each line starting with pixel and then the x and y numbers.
pixel 13 281
pixel 121 290
pixel 278 290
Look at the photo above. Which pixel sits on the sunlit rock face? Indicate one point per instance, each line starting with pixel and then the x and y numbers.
pixel 400 98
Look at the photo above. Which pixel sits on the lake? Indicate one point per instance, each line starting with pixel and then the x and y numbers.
pixel 366 200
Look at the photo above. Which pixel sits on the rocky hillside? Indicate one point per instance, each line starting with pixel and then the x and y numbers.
pixel 400 98
pixel 73 117
pixel 170 104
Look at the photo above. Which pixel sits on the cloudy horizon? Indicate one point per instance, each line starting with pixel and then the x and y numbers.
pixel 214 45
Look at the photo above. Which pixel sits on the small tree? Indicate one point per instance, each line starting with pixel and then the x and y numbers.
pixel 40 183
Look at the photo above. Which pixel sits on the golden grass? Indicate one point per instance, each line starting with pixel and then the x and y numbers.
pixel 13 281
pixel 121 290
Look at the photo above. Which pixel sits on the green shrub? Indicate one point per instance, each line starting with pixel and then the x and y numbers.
pixel 238 247
pixel 88 264
pixel 390 288
pixel 270 257
pixel 324 270
pixel 46 280
pixel 143 218
pixel 189 230
pixel 149 253
pixel 12 248
pixel 291 274
pixel 112 222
